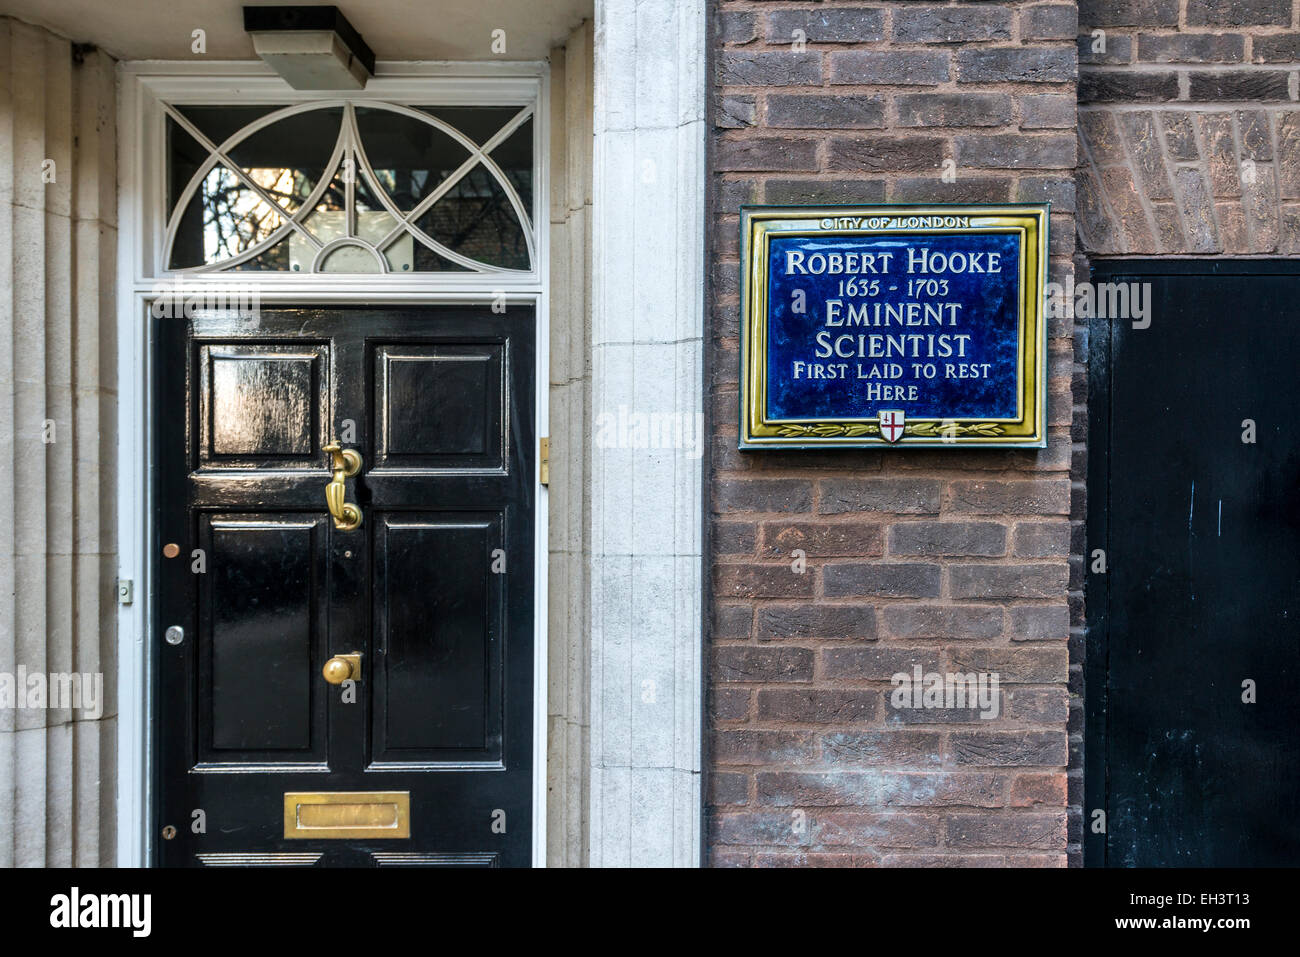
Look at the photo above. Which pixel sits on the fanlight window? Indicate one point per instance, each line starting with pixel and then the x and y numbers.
pixel 333 187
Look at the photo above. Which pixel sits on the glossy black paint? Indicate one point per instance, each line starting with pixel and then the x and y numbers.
pixel 435 589
pixel 1202 588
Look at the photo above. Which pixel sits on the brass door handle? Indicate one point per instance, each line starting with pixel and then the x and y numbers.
pixel 341 668
pixel 347 462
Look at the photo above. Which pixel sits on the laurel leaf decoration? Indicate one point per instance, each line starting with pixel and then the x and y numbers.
pixel 930 429
pixel 829 430
pixel 853 430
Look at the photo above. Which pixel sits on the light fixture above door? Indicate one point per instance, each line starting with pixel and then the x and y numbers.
pixel 311 47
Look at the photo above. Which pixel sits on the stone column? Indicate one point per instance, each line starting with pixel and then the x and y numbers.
pixel 568 672
pixel 57 439
pixel 647 328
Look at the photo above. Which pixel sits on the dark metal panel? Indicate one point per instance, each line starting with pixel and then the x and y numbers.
pixel 1203 573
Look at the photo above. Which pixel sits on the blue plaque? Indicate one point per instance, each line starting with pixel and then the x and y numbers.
pixel 899 326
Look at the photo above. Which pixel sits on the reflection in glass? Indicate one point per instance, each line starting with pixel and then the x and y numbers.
pixel 281 166
pixel 218 124
pixel 227 218
pixel 272 259
pixel 515 157
pixel 478 123
pixel 410 158
pixel 475 219
pixel 328 221
pixel 288 158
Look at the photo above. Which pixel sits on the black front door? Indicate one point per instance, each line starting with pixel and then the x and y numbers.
pixel 326 692
pixel 1193 667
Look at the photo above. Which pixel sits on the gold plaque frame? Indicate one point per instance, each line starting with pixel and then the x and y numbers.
pixel 758 224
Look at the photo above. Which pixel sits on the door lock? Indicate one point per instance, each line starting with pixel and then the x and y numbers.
pixel 347 462
pixel 343 668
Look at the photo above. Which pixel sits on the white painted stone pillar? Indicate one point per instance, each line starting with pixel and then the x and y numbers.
pixel 647 336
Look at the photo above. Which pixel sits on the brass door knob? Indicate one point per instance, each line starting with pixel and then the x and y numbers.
pixel 341 668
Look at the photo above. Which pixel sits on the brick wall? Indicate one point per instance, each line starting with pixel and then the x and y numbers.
pixel 957 560
pixel 1189 127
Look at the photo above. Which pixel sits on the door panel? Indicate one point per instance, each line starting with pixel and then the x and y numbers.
pixel 1202 588
pixel 259 619
pixel 440 689
pixel 262 405
pixel 434 590
pixel 464 383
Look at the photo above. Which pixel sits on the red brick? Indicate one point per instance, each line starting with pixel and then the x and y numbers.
pixel 766 153
pixel 777 622
pixel 746 746
pixel 747 663
pixel 882 788
pixel 725 857
pixel 905 749
pixel 801 859
pixel 964 24
pixel 893 580
pixel 764 828
pixel 1041 706
pixel 875 662
pixel 1026 829
pixel 808 706
pixel 837 496
pixel 725 788
pixel 827 25
pixel 761 581
pixel 735 538
pixel 1030 790
pixel 730 704
pixel 778 68
pixel 970 539
pixel 858 829
pixel 1008 581
pixel 1015 497
pixel 762 495
pixel 1019 664
pixel 1008 748
pixel 940 621
pixel 902 68
pixel 905 859
pixel 779 539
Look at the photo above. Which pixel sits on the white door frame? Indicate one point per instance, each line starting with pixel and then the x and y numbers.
pixel 141 221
